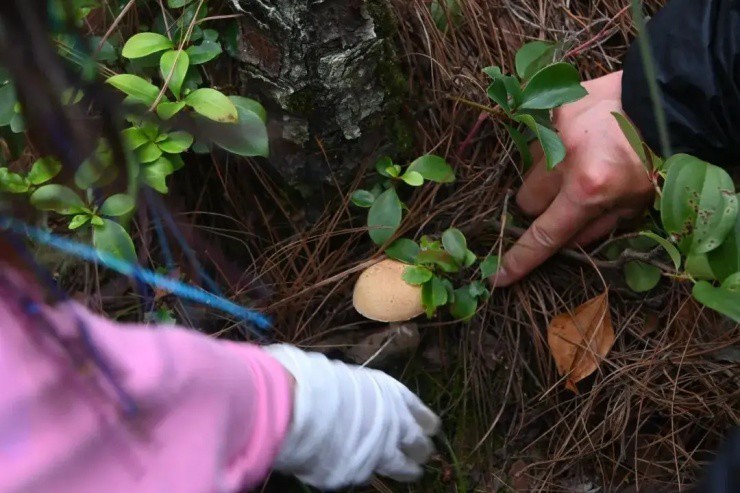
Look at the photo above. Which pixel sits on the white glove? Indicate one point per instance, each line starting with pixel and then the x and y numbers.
pixel 350 422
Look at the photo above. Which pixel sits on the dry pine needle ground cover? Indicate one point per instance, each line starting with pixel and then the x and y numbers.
pixel 659 403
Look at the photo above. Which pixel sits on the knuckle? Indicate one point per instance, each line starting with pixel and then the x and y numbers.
pixel 542 236
pixel 594 182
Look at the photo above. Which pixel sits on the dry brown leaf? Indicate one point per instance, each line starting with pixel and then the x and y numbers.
pixel 580 339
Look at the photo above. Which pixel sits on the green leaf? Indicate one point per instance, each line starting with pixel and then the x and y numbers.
pixel 97 220
pixel 667 245
pixel 12 182
pixel 455 244
pixel 719 299
pixel 362 198
pixel 403 250
pixel 148 153
pixel 470 259
pixel 18 124
pixel 247 104
pixel 550 141
pixel 493 72
pixel 732 283
pixel 489 266
pixel 413 178
pixel 136 87
pixel 213 105
pixel 433 168
pixel 247 138
pixel 465 305
pixel 416 275
pixel 106 53
pixel 382 165
pixel 384 217
pixel 641 277
pixel 167 110
pixel 143 44
pixel 176 142
pixel 443 260
pixel 725 259
pixel 155 174
pixel 498 94
pixel 175 62
pixel 441 9
pixel 534 56
pixel 134 138
pixel 478 290
pixel 117 205
pixel 394 171
pixel 57 198
pixel 433 295
pixel 699 206
pixel 632 136
pixel 176 4
pixel 7 104
pixel 44 170
pixel 78 221
pixel 522 146
pixel 98 171
pixel 697 266
pixel 112 239
pixel 553 86
pixel 205 52
pixel 72 96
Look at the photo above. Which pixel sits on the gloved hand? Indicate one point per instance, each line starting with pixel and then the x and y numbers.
pixel 350 422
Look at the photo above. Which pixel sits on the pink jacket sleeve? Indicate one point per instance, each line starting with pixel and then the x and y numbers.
pixel 213 413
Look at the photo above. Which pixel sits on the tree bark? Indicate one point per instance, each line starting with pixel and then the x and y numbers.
pixel 326 70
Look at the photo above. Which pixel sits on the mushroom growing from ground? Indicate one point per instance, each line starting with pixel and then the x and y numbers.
pixel 382 295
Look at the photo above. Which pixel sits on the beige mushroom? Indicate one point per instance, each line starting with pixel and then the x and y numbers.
pixel 382 295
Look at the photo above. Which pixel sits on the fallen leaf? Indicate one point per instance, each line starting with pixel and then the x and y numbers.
pixel 580 339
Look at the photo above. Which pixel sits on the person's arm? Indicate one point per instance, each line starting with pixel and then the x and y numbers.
pixel 696 53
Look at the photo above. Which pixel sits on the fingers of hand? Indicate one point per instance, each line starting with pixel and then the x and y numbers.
pixel 539 189
pixel 550 232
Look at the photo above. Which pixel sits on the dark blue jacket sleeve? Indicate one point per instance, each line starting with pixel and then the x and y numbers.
pixel 696 52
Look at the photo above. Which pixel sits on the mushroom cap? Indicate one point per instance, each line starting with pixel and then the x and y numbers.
pixel 381 294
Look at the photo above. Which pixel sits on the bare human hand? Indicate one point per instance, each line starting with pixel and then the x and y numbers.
pixel 600 183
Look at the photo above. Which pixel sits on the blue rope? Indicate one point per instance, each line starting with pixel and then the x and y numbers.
pixel 140 274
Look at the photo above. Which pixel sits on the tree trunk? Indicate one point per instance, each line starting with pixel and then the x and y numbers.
pixel 326 70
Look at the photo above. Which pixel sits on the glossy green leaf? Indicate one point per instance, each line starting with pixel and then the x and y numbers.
pixel 478 290
pixel 489 266
pixel 148 153
pixel 12 182
pixel 732 283
pixel 167 110
pixel 362 198
pixel 553 86
pixel 641 277
pixel 697 266
pixel 465 305
pixel 213 105
pixel 433 168
pixel 522 146
pixel 155 174
pixel 493 72
pixel 534 56
pixel 176 4
pixel 416 275
pixel 43 170
pixel 117 205
pixel 470 259
pixel 384 217
pixel 136 87
pixel 441 259
pixel 112 239
pixel 173 66
pixel 143 44
pixel 413 178
pixel 719 299
pixel 394 171
pixel 382 165
pixel 97 220
pixel 698 207
pixel 176 142
pixel 78 221
pixel 18 124
pixel 498 94
pixel 403 250
pixel 550 141
pixel 725 259
pixel 134 137
pixel 204 52
pixel 247 138
pixel 667 245
pixel 57 198
pixel 433 295
pixel 455 244
pixel 105 53
pixel 248 104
